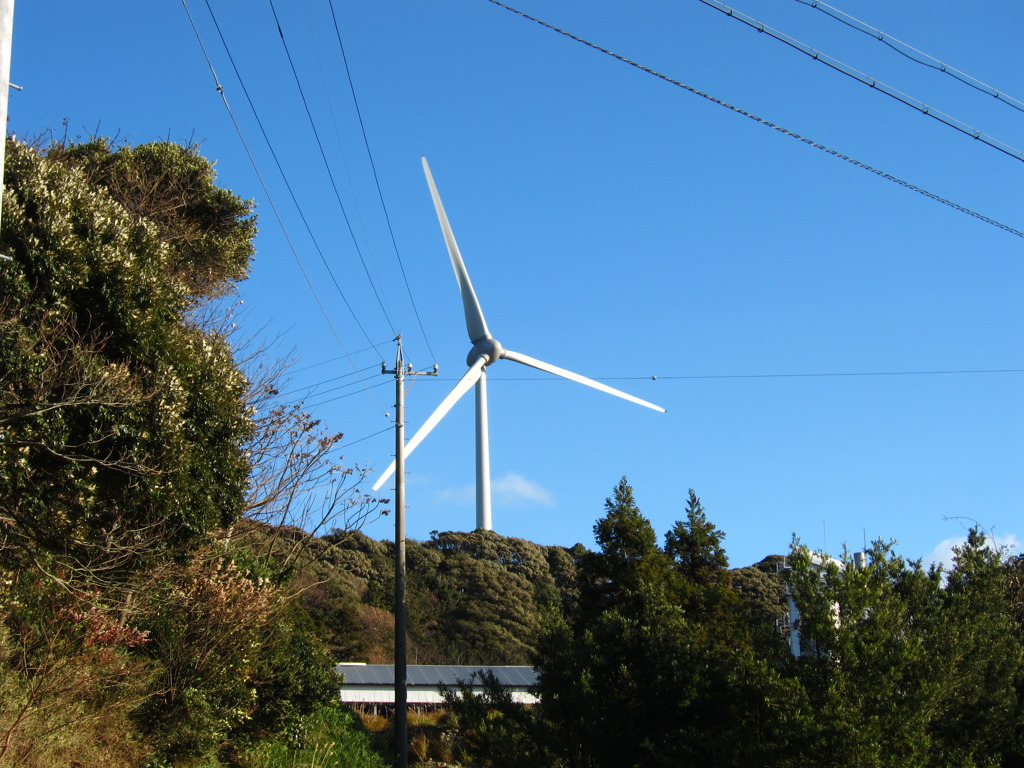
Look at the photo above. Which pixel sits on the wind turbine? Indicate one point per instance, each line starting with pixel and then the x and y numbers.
pixel 486 351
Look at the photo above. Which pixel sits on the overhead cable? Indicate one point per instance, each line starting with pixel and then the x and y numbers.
pixel 320 403
pixel 912 53
pixel 867 80
pixel 346 443
pixel 270 199
pixel 821 375
pixel 316 385
pixel 331 360
pixel 840 374
pixel 340 142
pixel 764 122
pixel 373 167
pixel 284 176
pixel 327 165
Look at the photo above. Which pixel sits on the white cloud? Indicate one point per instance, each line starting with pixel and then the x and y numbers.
pixel 516 490
pixel 511 490
pixel 943 553
pixel 463 495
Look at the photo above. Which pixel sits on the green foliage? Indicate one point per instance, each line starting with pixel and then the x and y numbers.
pixel 208 231
pixel 903 669
pixel 472 598
pixel 491 592
pixel 237 662
pixel 695 545
pixel 333 738
pixel 68 678
pixel 629 568
pixel 762 591
pixel 123 423
pixel 658 667
pixel 623 534
pixel 491 731
pixel 133 626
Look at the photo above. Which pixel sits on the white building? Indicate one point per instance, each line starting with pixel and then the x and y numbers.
pixel 818 563
pixel 375 683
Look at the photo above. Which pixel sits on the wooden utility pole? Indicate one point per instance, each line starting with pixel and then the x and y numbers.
pixel 401 730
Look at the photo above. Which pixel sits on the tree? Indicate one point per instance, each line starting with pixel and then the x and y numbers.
pixel 761 589
pixel 298 488
pixel 902 669
pixel 695 545
pixel 493 731
pixel 132 442
pixel 124 423
pixel 629 563
pixel 207 229
pixel 982 648
pixel 237 659
pixel 1014 754
pixel 653 671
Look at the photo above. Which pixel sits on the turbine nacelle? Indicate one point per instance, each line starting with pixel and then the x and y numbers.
pixel 489 348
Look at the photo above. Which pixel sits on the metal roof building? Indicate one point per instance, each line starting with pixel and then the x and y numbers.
pixel 375 683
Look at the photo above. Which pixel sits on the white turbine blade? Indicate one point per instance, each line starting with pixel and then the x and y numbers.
pixel 464 385
pixel 542 366
pixel 475 323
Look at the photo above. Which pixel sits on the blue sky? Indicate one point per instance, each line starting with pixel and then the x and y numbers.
pixel 620 226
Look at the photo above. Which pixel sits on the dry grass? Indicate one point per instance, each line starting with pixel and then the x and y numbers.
pixel 375 723
pixel 430 742
pixel 425 717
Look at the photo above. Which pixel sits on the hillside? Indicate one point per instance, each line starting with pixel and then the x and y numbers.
pixel 473 598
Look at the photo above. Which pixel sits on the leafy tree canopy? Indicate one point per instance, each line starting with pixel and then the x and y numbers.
pixel 207 229
pixel 126 429
pixel 123 421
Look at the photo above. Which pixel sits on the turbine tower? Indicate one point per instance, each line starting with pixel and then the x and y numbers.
pixel 486 351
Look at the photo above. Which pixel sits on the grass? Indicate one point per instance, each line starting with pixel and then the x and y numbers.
pixel 428 742
pixel 335 739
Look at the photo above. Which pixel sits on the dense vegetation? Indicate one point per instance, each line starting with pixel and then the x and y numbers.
pixel 145 604
pixel 657 653
pixel 667 658
pixel 180 561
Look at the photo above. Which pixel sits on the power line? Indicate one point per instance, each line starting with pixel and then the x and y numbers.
pixel 764 122
pixel 840 374
pixel 307 387
pixel 284 176
pixel 340 143
pixel 270 199
pixel 332 359
pixel 346 444
pixel 871 82
pixel 327 165
pixel 373 167
pixel 914 54
pixel 319 403
pixel 815 375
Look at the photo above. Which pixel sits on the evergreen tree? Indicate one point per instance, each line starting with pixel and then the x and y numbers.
pixel 653 669
pixel 695 545
pixel 124 422
pixel 903 670
pixel 629 564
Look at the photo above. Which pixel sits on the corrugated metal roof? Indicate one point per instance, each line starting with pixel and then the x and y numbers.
pixel 433 675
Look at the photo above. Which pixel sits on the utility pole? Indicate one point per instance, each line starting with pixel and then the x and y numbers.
pixel 401 688
pixel 6 35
